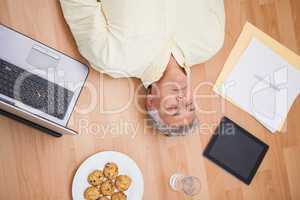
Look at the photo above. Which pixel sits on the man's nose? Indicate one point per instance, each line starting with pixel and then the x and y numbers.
pixel 184 97
pixel 180 97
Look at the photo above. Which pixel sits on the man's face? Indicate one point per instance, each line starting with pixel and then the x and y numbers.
pixel 172 96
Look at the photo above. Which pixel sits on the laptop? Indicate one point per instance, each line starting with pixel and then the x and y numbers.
pixel 39 86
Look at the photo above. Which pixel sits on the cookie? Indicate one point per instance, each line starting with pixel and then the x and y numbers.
pixel 107 188
pixel 111 171
pixel 92 193
pixel 96 178
pixel 123 182
pixel 119 196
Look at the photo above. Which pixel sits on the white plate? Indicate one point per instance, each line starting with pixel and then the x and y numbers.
pixel 97 161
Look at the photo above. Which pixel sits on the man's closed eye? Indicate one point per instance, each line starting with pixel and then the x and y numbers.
pixel 173 110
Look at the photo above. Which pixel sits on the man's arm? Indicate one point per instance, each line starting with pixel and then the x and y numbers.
pixel 91 32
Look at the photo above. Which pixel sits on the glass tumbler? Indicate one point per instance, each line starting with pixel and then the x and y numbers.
pixel 190 186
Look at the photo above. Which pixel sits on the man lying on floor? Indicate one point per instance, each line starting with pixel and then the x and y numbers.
pixel 156 41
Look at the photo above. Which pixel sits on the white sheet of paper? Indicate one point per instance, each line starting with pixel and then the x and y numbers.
pixel 263 84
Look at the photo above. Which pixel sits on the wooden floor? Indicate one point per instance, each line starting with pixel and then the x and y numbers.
pixel 37 166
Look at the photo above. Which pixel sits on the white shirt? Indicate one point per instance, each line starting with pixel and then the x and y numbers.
pixel 135 38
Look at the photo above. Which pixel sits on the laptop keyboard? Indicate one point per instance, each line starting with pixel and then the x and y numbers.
pixel 33 90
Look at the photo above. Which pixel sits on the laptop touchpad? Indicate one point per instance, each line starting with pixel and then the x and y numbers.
pixel 41 57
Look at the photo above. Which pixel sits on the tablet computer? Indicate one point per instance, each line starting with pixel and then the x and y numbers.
pixel 236 150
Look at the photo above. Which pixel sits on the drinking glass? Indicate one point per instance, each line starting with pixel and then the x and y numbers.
pixel 188 185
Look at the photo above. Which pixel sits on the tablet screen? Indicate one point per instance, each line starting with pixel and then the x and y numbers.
pixel 236 150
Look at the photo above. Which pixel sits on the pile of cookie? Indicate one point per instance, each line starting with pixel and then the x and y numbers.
pixel 107 184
